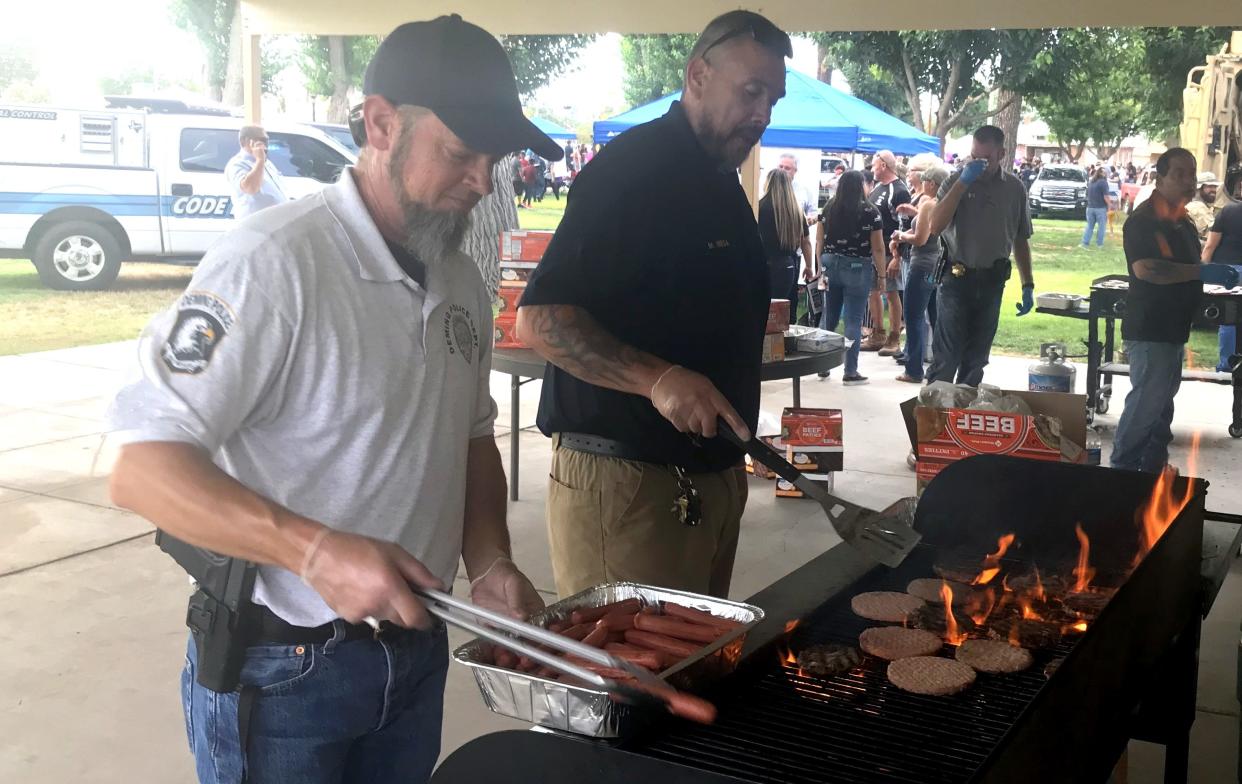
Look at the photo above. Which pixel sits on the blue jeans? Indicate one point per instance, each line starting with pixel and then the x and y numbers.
pixel 849 283
pixel 365 710
pixel 1144 431
pixel 1097 219
pixel 919 290
pixel 1225 336
pixel 967 311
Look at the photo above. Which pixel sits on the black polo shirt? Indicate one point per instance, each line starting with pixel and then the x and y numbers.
pixel 660 246
pixel 1155 312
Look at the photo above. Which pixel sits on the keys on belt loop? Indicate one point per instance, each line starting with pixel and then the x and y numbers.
pixel 688 504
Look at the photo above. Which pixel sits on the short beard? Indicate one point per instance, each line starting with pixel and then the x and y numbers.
pixel 431 236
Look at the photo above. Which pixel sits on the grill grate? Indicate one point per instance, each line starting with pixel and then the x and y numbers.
pixel 777 726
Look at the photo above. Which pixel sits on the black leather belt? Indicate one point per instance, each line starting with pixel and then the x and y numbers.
pixel 598 445
pixel 271 629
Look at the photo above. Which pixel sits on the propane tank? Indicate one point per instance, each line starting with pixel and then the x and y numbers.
pixel 1052 373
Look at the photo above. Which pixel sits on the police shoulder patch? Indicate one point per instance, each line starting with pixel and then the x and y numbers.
pixel 202 322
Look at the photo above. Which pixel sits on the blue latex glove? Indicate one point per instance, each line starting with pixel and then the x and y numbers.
pixel 973 171
pixel 1028 300
pixel 1219 274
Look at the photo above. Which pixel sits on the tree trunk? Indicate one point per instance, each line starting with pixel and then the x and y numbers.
pixel 823 70
pixel 493 214
pixel 338 104
pixel 232 95
pixel 1009 118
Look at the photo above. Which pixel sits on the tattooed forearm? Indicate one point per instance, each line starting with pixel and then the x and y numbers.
pixel 1163 272
pixel 571 339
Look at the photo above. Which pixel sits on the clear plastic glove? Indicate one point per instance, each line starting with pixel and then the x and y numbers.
pixel 504 589
pixel 1219 275
pixel 1028 300
pixel 973 171
pixel 692 403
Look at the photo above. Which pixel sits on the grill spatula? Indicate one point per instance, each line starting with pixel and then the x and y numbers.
pixel 886 536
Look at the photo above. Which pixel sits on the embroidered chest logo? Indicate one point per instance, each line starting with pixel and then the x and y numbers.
pixel 460 334
pixel 202 322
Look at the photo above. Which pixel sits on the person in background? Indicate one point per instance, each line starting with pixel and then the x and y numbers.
pixel 888 194
pixel 806 202
pixel 783 230
pixel 526 176
pixel 1114 197
pixel 924 258
pixel 905 214
pixel 1166 283
pixel 1206 205
pixel 254 183
pixel 850 245
pixel 983 215
pixel 1098 205
pixel 519 188
pixel 1224 246
pixel 539 186
pixel 569 159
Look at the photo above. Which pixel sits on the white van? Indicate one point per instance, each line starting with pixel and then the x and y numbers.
pixel 83 190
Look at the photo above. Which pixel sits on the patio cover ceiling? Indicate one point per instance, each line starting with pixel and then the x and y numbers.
pixel 363 17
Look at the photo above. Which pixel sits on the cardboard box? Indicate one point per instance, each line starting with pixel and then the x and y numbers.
pixel 778 316
pixel 821 427
pixel 514 278
pixel 504 332
pixel 759 469
pixel 524 245
pixel 507 300
pixel 816 459
pixel 788 490
pixel 774 347
pixel 1055 431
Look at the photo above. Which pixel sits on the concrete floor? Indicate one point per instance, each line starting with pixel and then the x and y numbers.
pixel 93 613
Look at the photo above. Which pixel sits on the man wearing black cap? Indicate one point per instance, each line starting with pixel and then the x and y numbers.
pixel 317 403
pixel 650 307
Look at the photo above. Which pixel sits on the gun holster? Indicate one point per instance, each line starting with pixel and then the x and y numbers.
pixel 221 636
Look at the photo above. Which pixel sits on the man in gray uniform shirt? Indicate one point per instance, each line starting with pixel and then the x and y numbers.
pixel 317 402
pixel 982 215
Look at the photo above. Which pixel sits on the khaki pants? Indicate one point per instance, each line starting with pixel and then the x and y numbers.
pixel 612 520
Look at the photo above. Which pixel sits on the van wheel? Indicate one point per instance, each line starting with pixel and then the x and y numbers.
pixel 77 256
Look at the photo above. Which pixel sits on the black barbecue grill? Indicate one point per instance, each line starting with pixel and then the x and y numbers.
pixel 776 725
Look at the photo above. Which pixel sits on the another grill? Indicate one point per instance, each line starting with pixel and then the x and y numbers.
pixel 776 725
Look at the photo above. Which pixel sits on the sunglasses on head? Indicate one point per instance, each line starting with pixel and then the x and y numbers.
pixel 768 37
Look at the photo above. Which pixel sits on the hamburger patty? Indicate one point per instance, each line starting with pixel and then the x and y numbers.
pixel 930 675
pixel 895 642
pixel 928 589
pixel 885 606
pixel 828 659
pixel 996 656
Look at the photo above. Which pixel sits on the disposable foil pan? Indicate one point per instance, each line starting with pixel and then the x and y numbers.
pixel 587 711
pixel 1058 301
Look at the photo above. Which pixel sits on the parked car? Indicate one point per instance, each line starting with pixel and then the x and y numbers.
pixel 828 176
pixel 1060 190
pixel 340 133
pixel 82 190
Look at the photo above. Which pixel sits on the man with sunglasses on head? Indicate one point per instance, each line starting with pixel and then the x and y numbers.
pixel 650 308
pixel 318 403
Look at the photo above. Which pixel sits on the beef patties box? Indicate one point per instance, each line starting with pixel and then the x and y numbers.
pixel 514 274
pixel 813 439
pixel 773 347
pixel 1055 431
pixel 778 316
pixel 504 331
pixel 522 245
pixel 507 299
pixel 759 469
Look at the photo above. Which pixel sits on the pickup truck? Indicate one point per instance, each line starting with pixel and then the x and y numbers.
pixel 81 191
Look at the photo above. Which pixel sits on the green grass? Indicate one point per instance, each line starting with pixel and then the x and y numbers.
pixel 40 319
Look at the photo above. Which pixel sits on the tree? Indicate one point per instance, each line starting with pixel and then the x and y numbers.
pixel 123 83
pixel 538 59
pixel 16 64
pixel 1168 55
pixel 332 64
pixel 211 22
pixel 654 65
pixel 1089 86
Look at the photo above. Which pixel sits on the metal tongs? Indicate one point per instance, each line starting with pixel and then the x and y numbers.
pixel 518 637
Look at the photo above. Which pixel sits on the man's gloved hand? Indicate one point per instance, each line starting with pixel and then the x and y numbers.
pixel 973 171
pixel 1028 300
pixel 692 403
pixel 504 589
pixel 1219 274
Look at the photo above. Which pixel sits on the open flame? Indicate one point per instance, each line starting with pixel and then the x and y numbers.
pixel 1162 507
pixel 979 605
pixel 951 633
pixel 991 564
pixel 1038 593
pixel 1083 571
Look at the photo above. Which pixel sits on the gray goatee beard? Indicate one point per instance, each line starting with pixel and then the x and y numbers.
pixel 432 235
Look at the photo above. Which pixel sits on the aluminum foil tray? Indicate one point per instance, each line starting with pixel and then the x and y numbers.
pixel 587 711
pixel 1058 301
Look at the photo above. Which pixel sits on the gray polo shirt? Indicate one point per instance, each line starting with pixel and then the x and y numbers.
pixel 321 376
pixel 991 215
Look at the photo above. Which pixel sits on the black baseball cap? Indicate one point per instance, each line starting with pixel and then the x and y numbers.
pixel 460 72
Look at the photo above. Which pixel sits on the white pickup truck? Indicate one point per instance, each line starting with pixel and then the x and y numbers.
pixel 83 190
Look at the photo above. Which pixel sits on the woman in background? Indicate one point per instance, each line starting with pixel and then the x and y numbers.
pixel 924 256
pixel 783 230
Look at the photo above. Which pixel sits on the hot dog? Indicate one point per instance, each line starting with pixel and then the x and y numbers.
pixel 579 631
pixel 675 627
pixel 651 660
pixel 698 616
pixel 618 621
pixel 505 658
pixel 595 613
pixel 659 642
pixel 597 636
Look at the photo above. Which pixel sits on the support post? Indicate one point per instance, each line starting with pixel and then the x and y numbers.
pixel 252 78
pixel 750 178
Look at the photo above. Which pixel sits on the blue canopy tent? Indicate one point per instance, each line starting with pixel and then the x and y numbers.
pixel 553 130
pixel 811 115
